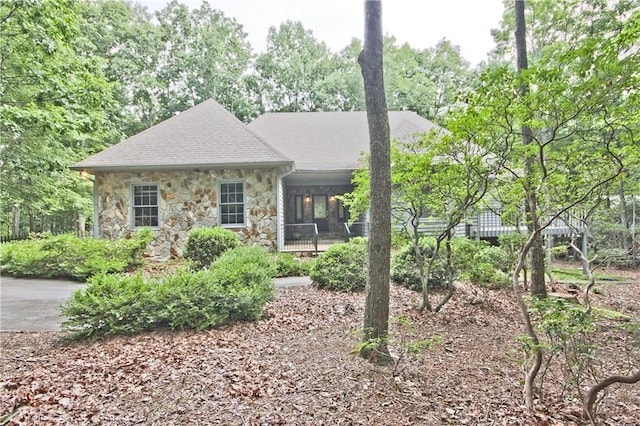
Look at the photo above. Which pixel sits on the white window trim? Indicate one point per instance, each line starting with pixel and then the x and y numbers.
pixel 244 203
pixel 132 205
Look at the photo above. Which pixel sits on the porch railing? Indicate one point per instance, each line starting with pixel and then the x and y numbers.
pixel 301 237
pixel 356 229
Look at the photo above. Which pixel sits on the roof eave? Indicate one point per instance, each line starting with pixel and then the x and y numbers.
pixel 177 167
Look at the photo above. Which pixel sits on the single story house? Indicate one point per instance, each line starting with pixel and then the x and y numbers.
pixel 276 182
pixel 266 181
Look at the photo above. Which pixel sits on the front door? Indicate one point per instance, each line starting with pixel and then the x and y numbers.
pixel 320 209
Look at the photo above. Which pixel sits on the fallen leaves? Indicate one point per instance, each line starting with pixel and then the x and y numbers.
pixel 295 367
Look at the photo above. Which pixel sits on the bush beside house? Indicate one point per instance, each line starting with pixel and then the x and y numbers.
pixel 69 257
pixel 235 288
pixel 205 245
pixel 343 267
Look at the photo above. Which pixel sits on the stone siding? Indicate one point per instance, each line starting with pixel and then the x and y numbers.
pixel 188 200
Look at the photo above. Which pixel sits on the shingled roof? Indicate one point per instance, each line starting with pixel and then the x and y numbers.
pixel 330 140
pixel 206 135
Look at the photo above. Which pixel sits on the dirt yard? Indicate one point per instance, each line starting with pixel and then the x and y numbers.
pixel 296 367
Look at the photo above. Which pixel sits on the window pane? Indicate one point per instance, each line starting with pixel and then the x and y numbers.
pixel 232 203
pixel 319 206
pixel 145 205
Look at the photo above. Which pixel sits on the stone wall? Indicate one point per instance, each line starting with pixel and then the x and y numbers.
pixel 188 200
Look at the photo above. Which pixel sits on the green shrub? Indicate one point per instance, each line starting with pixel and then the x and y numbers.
pixel 560 252
pixel 491 267
pixel 287 265
pixel 404 267
pixel 343 267
pixel 512 243
pixel 67 256
pixel 235 288
pixel 205 245
pixel 618 258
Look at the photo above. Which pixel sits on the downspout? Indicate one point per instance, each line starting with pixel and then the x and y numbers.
pixel 280 206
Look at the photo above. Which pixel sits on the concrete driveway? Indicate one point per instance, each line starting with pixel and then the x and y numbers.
pixel 33 304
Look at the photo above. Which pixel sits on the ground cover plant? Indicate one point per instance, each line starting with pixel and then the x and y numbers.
pixel 67 256
pixel 234 288
pixel 572 273
pixel 295 367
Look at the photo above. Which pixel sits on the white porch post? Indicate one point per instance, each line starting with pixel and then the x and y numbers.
pixel 280 205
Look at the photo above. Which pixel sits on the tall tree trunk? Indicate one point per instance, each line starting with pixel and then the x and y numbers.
pixel 376 316
pixel 624 220
pixel 531 209
pixel 538 287
pixel 15 221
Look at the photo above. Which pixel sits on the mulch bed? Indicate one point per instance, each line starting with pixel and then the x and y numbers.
pixel 296 367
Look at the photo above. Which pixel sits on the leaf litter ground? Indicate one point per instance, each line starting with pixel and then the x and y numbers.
pixel 296 367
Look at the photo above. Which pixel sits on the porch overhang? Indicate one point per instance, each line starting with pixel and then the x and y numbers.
pixel 317 177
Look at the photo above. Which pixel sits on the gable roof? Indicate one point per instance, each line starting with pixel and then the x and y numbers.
pixel 206 135
pixel 330 140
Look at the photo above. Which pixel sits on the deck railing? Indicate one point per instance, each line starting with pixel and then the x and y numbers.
pixel 301 237
pixel 356 229
pixel 487 224
pixel 490 224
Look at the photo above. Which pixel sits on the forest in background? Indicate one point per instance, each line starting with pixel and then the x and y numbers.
pixel 78 76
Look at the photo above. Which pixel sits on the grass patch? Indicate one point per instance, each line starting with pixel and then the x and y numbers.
pixel 609 314
pixel 576 275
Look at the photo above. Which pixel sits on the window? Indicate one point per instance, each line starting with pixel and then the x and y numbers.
pixel 299 209
pixel 145 205
pixel 342 211
pixel 231 203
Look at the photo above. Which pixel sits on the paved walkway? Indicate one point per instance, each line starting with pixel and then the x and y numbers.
pixel 34 304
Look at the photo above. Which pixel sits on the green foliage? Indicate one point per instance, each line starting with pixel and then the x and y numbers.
pixel 576 275
pixel 405 342
pixel 295 70
pixel 619 258
pixel 205 245
pixel 343 267
pixel 490 267
pixel 54 111
pixel 67 256
pixel 512 243
pixel 404 267
pixel 566 330
pixel 406 329
pixel 287 265
pixel 560 252
pixel 235 288
pixel 203 54
pixel 405 271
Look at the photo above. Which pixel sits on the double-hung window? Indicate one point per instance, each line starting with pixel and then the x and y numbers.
pixel 232 204
pixel 145 205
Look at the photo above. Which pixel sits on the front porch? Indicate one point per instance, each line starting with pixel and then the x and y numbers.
pixel 314 216
pixel 304 239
